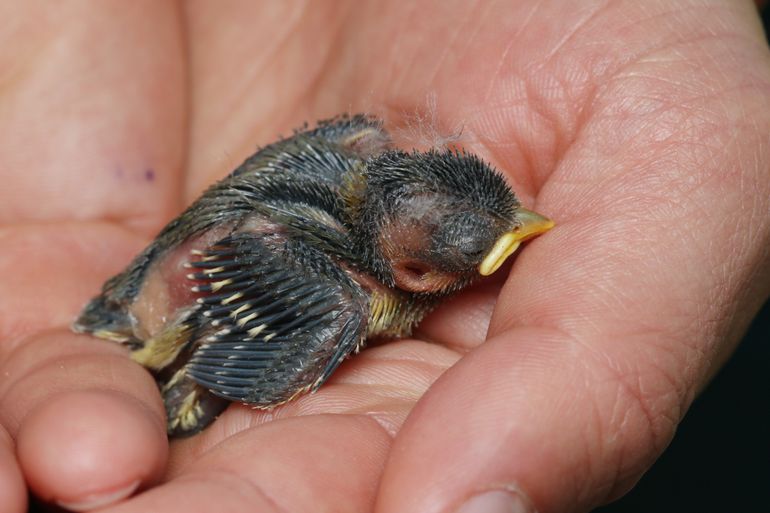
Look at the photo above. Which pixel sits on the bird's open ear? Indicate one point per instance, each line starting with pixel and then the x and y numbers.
pixel 416 276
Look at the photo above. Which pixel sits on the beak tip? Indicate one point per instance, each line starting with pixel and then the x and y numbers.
pixel 532 224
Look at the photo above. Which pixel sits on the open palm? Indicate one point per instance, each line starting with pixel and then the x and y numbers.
pixel 639 127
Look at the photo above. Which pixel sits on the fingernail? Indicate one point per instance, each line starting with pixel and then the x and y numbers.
pixel 496 501
pixel 99 500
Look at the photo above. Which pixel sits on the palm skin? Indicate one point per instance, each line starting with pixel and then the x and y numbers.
pixel 640 130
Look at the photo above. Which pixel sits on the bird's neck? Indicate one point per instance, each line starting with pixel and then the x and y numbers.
pixel 395 314
pixel 392 312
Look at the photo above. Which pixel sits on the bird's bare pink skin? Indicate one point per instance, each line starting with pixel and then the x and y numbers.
pixel 166 290
pixel 169 291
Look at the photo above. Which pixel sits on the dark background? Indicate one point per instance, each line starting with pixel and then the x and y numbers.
pixel 719 461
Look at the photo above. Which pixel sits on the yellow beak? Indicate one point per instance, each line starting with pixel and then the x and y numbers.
pixel 532 225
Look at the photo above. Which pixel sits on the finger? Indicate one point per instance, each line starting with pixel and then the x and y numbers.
pixel 381 382
pixel 76 406
pixel 89 423
pixel 542 418
pixel 315 463
pixel 462 321
pixel 609 326
pixel 92 112
pixel 13 493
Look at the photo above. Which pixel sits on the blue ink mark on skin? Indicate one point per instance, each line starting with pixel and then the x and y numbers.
pixel 149 174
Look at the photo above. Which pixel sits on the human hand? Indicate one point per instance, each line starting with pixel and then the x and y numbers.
pixel 640 130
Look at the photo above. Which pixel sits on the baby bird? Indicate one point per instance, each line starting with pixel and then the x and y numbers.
pixel 259 290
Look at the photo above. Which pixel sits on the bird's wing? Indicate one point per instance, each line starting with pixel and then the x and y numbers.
pixel 280 320
pixel 323 154
pixel 359 134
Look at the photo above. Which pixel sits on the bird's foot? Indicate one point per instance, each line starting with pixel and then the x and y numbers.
pixel 189 407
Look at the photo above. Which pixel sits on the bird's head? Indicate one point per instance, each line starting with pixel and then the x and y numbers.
pixel 431 221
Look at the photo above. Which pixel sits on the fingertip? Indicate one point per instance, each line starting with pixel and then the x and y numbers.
pixel 13 493
pixel 85 449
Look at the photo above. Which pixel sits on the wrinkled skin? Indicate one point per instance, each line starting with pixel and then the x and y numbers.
pixel 640 130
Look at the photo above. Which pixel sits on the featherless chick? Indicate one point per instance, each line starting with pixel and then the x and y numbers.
pixel 260 289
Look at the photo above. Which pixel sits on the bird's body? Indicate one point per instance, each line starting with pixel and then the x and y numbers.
pixel 276 273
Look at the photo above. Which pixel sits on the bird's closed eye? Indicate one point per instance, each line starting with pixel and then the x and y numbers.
pixel 471 247
pixel 473 253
